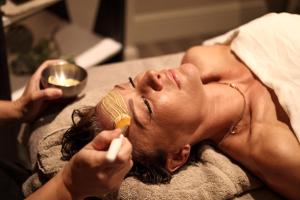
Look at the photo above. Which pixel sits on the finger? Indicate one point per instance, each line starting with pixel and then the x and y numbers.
pixel 118 170
pixel 103 139
pixel 124 169
pixel 47 94
pixel 46 64
pixel 124 154
pixel 128 166
pixel 97 159
pixel 94 158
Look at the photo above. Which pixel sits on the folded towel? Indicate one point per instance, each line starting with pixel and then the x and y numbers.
pixel 214 177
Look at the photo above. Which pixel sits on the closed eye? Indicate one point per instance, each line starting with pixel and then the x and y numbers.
pixel 131 82
pixel 146 102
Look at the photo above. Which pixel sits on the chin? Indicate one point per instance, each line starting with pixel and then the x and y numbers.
pixel 190 69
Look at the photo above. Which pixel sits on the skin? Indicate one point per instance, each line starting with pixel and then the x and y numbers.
pixel 162 92
pixel 265 130
pixel 33 100
pixel 202 108
pixel 88 173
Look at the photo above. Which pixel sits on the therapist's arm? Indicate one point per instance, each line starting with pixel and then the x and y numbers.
pixel 33 100
pixel 9 111
pixel 89 173
pixel 54 189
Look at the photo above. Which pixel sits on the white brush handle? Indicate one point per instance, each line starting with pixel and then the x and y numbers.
pixel 114 148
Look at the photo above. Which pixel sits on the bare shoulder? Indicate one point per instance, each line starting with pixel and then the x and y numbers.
pixel 203 56
pixel 276 141
pixel 270 137
pixel 274 148
pixel 214 62
pixel 272 152
pixel 205 50
pixel 269 147
pixel 276 154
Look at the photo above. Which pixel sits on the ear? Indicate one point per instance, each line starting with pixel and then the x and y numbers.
pixel 178 159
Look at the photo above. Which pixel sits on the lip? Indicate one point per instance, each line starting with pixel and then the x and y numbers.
pixel 174 77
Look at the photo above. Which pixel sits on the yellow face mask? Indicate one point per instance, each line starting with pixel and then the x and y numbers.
pixel 114 107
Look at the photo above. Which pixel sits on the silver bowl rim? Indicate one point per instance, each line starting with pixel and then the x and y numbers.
pixel 44 79
pixel 68 91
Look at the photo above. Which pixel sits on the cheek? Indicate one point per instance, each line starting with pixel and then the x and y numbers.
pixel 173 105
pixel 182 114
pixel 139 140
pixel 168 108
pixel 147 140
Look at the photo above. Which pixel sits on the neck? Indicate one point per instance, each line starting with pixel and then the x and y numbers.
pixel 225 105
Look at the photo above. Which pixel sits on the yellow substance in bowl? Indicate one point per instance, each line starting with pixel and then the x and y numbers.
pixel 67 82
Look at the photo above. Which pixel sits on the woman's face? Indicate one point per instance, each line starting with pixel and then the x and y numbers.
pixel 165 107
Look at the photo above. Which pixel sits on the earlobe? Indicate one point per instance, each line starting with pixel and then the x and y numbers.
pixel 178 159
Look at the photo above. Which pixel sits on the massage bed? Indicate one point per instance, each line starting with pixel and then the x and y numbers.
pixel 215 176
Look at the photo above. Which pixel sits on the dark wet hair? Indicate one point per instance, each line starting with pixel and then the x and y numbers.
pixel 82 131
pixel 147 167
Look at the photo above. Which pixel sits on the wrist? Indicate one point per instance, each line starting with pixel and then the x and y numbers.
pixel 10 111
pixel 55 188
pixel 18 109
pixel 64 190
pixel 68 184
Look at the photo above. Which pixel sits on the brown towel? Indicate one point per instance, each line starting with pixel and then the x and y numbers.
pixel 214 177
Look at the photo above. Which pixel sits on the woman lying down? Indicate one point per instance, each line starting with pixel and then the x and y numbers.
pixel 211 96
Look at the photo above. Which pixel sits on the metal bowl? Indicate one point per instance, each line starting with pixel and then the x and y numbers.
pixel 70 78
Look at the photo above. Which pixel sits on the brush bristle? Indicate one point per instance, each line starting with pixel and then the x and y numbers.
pixel 122 121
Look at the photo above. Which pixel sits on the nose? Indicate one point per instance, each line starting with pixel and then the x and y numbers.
pixel 151 80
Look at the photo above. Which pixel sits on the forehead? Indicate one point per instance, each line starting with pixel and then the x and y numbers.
pixel 117 102
pixel 113 105
pixel 110 107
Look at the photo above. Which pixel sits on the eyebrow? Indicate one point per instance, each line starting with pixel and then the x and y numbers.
pixel 119 87
pixel 135 117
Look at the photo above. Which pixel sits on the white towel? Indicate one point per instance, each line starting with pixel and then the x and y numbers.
pixel 270 47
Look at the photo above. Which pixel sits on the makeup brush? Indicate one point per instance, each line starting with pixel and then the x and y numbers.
pixel 114 107
pixel 122 122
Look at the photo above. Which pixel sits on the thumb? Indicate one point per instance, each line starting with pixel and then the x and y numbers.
pixel 47 94
pixel 102 141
